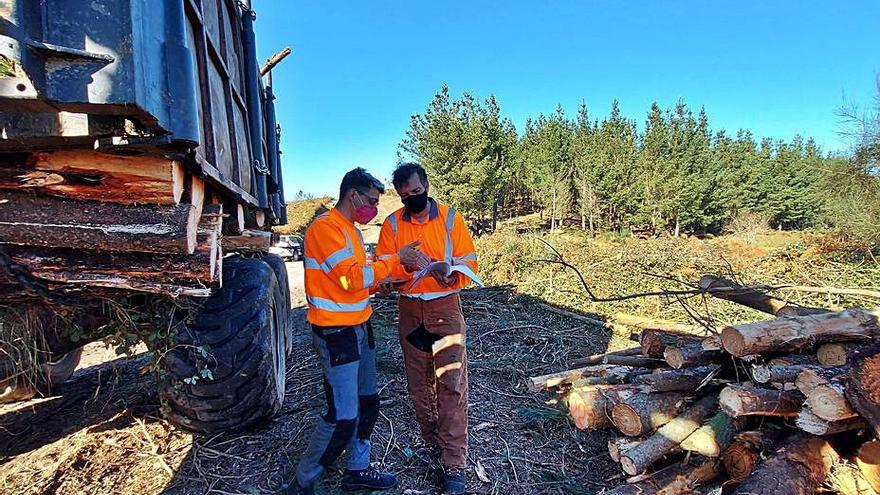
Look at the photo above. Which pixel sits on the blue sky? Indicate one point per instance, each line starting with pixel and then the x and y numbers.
pixel 359 70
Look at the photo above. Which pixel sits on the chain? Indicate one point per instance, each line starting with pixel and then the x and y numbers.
pixel 33 286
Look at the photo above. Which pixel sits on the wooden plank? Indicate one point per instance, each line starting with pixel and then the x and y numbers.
pixel 93 176
pixel 248 241
pixel 173 275
pixel 62 223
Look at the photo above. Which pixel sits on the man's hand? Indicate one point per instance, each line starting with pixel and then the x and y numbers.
pixel 410 256
pixel 422 262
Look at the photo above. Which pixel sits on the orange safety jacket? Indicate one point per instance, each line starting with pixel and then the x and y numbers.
pixel 338 277
pixel 444 236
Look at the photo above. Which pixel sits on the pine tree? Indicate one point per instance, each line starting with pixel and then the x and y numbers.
pixel 547 155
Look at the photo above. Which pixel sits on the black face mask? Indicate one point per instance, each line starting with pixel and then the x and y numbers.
pixel 416 203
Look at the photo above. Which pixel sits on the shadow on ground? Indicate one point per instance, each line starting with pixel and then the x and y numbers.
pixel 111 442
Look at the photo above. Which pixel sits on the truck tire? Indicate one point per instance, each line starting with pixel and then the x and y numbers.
pixel 54 373
pixel 280 268
pixel 227 369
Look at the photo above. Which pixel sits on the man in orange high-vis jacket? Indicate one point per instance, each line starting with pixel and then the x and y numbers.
pixel 338 280
pixel 431 324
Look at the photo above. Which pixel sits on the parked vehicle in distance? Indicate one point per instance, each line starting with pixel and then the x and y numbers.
pixel 289 247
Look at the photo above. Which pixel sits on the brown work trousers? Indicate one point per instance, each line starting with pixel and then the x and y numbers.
pixel 432 334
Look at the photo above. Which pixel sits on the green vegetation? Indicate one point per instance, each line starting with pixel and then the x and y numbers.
pixel 7 67
pixel 614 266
pixel 672 175
pixel 301 212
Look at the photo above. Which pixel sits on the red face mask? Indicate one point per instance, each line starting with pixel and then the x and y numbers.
pixel 365 213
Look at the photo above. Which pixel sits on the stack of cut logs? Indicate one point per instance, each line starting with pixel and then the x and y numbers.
pixel 787 405
pixel 84 218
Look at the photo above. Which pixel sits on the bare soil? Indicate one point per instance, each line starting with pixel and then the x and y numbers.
pixel 103 435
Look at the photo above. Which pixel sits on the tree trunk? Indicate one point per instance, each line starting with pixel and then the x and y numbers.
pixel 677 380
pixel 810 378
pixel 590 407
pixel 837 354
pixel 49 221
pixel 600 358
pixel 801 332
pixel 655 324
pixel 741 400
pixel 678 479
pixel 538 383
pixel 801 467
pixel 814 425
pixel 828 401
pixel 747 450
pixel 668 437
pixel 618 446
pixel 655 342
pixel 691 353
pixel 752 298
pixel 92 176
pixel 863 390
pixel 634 361
pixel 868 462
pixel 643 413
pixel 784 369
pixel 713 438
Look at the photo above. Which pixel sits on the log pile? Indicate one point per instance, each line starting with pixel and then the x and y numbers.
pixel 784 405
pixel 81 218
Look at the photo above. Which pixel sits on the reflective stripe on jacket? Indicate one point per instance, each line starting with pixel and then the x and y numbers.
pixel 444 236
pixel 338 277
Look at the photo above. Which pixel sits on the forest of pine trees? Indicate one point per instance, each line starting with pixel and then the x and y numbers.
pixel 672 174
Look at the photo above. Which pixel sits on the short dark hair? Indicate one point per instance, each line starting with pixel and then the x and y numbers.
pixel 405 170
pixel 361 180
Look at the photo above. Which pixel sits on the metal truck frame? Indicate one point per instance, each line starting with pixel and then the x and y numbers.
pixel 140 168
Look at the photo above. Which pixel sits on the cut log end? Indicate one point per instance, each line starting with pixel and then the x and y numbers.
pixel 761 373
pixel 740 460
pixel 627 420
pixel 733 341
pixel 828 401
pixel 832 354
pixel 673 356
pixel 814 425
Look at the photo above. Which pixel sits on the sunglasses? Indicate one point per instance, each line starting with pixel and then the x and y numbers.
pixel 370 199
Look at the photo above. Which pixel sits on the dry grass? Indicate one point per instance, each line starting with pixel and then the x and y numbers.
pixel 625 266
pixel 22 350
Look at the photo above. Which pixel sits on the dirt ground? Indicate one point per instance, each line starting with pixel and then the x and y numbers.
pixel 102 434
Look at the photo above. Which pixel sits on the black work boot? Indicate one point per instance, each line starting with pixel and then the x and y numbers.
pixel 294 489
pixel 455 482
pixel 368 479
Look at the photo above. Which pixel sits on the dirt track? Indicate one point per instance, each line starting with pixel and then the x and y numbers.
pixel 103 435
